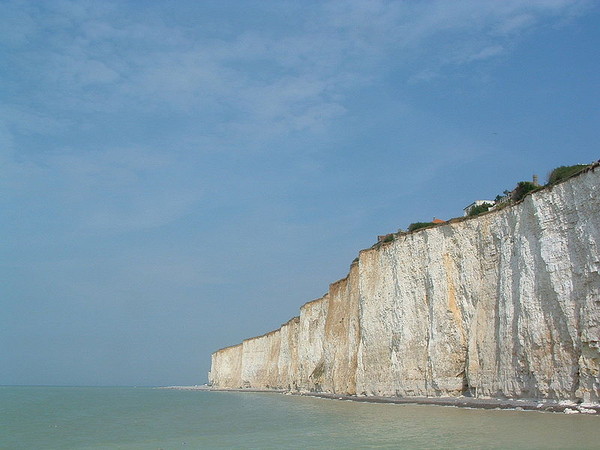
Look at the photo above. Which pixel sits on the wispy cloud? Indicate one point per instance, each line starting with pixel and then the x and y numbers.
pixel 96 56
pixel 85 64
pixel 119 189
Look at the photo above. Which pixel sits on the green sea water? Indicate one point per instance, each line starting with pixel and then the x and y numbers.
pixel 147 418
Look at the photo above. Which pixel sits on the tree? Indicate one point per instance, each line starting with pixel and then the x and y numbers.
pixel 564 172
pixel 475 210
pixel 522 189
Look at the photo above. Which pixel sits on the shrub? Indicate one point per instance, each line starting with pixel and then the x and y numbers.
pixel 564 172
pixel 523 187
pixel 475 210
pixel 501 198
pixel 418 225
pixel 388 238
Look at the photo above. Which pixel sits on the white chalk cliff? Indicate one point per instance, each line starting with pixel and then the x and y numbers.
pixel 506 304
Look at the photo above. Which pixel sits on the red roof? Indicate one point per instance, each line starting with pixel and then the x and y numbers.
pixel 438 220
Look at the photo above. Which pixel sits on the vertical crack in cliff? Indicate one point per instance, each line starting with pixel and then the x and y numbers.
pixel 457 315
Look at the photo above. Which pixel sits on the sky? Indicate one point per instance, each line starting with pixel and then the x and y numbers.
pixel 177 176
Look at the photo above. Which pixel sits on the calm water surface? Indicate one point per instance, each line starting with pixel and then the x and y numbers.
pixel 146 418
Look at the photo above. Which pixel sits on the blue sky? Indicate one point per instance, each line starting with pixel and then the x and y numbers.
pixel 178 176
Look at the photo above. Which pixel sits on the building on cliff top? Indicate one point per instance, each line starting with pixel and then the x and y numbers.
pixel 476 203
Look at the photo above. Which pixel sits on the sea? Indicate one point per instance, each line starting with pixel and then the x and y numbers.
pixel 151 418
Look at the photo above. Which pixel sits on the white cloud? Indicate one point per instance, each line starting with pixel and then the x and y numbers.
pixel 114 190
pixel 18 118
pixel 17 24
pixel 424 76
pixel 93 72
pixel 137 209
pixel 242 90
pixel 264 77
pixel 487 52
pixel 514 24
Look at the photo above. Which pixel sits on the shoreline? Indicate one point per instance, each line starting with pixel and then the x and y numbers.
pixel 565 406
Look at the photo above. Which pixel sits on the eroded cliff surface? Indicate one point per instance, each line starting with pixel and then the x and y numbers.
pixel 506 304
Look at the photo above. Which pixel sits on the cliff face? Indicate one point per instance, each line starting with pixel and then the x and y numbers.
pixel 505 305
